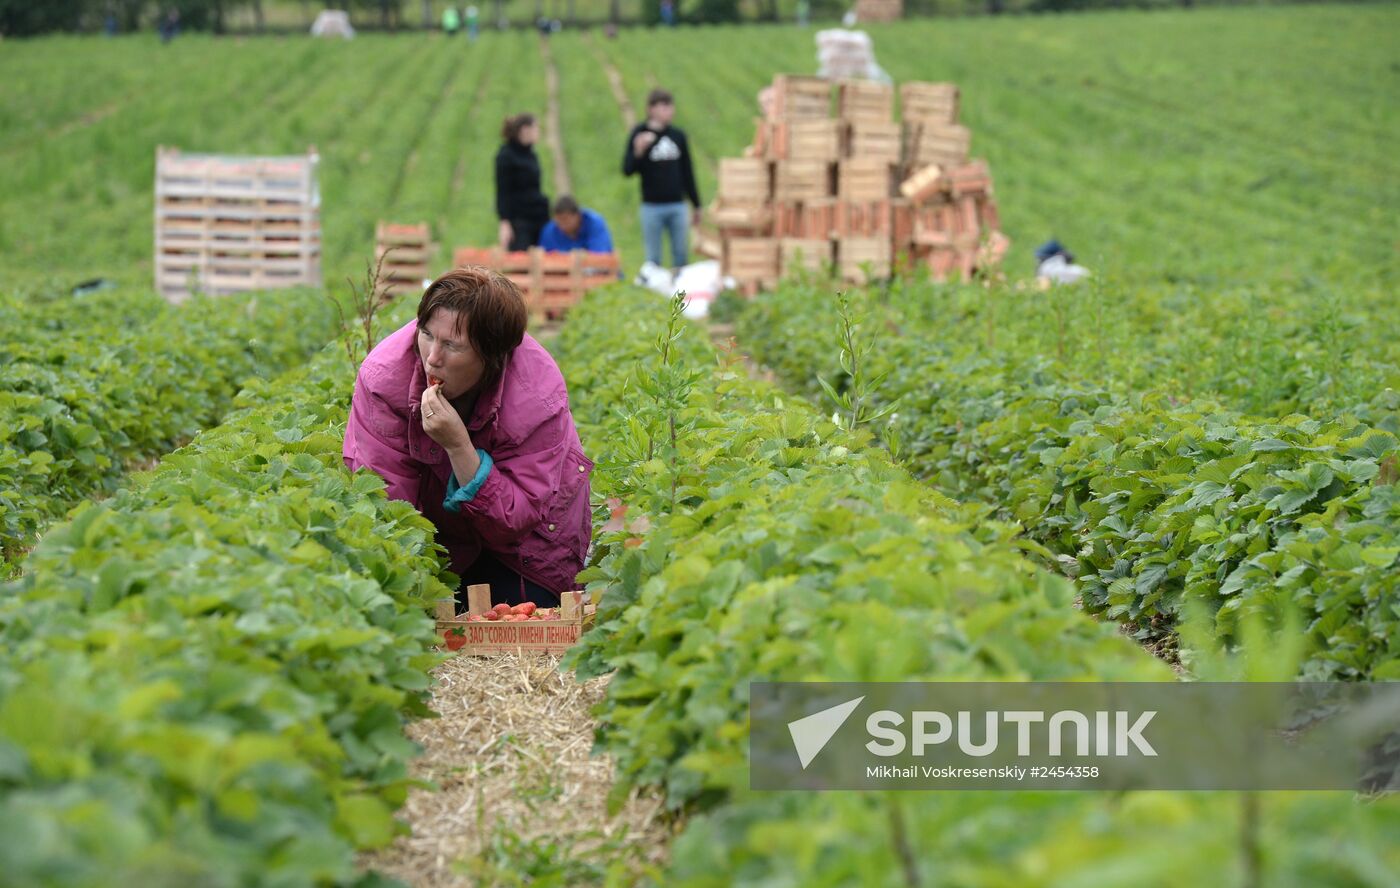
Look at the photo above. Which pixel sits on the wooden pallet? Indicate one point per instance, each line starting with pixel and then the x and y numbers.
pixel 870 140
pixel 226 224
pixel 866 101
pixel 798 97
pixel 798 180
pixel 862 179
pixel 928 103
pixel 533 636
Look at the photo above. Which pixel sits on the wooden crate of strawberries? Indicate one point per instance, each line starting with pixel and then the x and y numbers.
pixel 486 629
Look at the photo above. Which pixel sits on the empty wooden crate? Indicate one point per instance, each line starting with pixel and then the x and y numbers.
pixel 796 180
pixel 865 179
pixel 863 259
pixel 866 100
pixel 935 103
pixel 804 254
pixel 797 97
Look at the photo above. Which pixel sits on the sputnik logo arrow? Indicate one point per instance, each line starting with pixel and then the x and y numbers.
pixel 811 734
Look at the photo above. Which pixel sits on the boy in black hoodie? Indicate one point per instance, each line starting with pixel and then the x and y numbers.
pixel 660 153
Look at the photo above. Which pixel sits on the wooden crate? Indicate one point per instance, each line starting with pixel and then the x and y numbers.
pixel 928 103
pixel 901 223
pixel 970 178
pixel 866 101
pixel 805 254
pixel 943 145
pixel 231 223
pixel 745 180
pixel 863 218
pixel 744 217
pixel 533 636
pixel 988 213
pixel 807 140
pixel 936 225
pixel 751 259
pixel 808 219
pixel 855 254
pixel 797 180
pixel 404 254
pixel 927 184
pixel 861 179
pixel 551 283
pixel 879 10
pixel 870 140
pixel 798 97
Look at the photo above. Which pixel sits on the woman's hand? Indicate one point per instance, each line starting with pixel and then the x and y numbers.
pixel 505 234
pixel 441 422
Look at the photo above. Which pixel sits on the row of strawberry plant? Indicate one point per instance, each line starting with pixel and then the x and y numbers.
pixel 1269 350
pixel 1151 503
pixel 746 538
pixel 89 386
pixel 205 677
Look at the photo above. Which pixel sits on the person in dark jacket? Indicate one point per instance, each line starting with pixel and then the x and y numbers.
pixel 520 204
pixel 660 154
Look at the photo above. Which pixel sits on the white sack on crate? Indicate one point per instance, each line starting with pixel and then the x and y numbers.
pixel 846 54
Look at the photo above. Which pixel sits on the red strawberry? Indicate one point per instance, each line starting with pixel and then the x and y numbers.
pixel 502 608
pixel 491 615
pixel 456 638
pixel 527 608
pixel 433 380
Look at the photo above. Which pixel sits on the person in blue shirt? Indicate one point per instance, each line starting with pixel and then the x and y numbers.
pixel 575 228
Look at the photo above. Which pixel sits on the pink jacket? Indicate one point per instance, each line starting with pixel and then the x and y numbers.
pixel 532 512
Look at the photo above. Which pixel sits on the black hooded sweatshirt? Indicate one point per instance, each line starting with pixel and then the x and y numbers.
pixel 667 174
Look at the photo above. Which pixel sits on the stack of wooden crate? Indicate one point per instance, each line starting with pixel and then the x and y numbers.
pixel 227 224
pixel 403 254
pixel 832 181
pixel 879 10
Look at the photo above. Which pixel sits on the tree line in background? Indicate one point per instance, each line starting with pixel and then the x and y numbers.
pixel 21 18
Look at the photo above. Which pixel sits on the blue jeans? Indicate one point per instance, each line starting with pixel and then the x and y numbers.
pixel 673 217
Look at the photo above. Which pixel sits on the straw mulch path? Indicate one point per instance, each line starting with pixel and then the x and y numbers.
pixel 520 795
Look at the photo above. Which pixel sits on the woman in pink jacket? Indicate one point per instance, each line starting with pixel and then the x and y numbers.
pixel 467 417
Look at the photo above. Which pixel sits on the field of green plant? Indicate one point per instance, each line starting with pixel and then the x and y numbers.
pixel 214 635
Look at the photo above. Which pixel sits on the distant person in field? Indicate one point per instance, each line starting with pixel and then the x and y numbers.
pixel 575 228
pixel 451 21
pixel 466 417
pixel 520 204
pixel 169 25
pixel 660 154
pixel 1055 265
pixel 473 23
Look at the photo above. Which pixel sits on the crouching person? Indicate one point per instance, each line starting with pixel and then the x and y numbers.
pixel 467 417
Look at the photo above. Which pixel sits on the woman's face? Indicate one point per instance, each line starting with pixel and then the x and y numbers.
pixel 528 134
pixel 448 355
